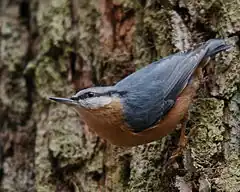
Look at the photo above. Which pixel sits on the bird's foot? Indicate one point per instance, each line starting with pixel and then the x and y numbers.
pixel 204 80
pixel 179 151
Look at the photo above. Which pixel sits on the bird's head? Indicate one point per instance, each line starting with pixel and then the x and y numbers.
pixel 92 98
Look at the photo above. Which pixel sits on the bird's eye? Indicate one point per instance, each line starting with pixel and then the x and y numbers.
pixel 90 94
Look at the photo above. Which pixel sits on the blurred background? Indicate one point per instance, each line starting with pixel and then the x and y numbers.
pixel 57 47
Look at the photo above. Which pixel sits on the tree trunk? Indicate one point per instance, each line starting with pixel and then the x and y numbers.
pixel 56 47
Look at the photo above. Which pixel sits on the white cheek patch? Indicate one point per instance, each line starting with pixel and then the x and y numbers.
pixel 97 102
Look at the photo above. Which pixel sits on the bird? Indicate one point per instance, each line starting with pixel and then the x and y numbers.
pixel 149 103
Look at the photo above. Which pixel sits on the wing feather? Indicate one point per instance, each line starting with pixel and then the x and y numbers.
pixel 153 90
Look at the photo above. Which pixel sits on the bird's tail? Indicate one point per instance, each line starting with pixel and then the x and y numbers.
pixel 215 46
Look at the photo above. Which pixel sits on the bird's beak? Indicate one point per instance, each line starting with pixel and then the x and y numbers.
pixel 64 100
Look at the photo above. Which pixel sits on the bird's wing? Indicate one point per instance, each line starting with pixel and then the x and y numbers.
pixel 153 95
pixel 153 90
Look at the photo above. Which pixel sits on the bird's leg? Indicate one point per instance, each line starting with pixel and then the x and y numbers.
pixel 182 141
pixel 183 138
pixel 203 80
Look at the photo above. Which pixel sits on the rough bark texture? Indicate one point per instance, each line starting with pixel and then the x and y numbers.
pixel 55 47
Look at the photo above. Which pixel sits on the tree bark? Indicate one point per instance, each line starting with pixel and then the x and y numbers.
pixel 56 47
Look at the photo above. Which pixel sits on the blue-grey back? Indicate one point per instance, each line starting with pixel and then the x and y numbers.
pixel 153 90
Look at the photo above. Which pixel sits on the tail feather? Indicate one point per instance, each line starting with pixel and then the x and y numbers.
pixel 215 46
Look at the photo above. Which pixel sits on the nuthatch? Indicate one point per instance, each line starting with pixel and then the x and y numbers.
pixel 149 103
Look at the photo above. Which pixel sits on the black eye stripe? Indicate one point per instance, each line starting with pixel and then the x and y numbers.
pixel 94 94
pixel 74 98
pixel 87 95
